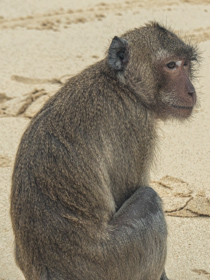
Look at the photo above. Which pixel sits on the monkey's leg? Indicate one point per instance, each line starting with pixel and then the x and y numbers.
pixel 131 247
pixel 138 234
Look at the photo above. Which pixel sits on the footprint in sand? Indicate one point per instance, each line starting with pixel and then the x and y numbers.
pixel 180 200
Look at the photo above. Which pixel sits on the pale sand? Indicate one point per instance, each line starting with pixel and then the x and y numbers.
pixel 42 42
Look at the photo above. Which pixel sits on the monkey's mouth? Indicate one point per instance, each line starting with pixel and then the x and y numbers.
pixel 181 112
pixel 183 107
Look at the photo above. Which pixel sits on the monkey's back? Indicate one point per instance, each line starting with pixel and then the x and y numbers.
pixel 80 158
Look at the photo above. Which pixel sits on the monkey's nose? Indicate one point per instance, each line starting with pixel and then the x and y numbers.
pixel 190 89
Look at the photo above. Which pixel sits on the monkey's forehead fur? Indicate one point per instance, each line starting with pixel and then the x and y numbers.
pixel 160 42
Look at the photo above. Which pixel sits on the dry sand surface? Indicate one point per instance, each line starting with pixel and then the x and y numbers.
pixel 43 43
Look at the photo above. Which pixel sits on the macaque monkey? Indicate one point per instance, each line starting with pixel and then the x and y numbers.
pixel 81 205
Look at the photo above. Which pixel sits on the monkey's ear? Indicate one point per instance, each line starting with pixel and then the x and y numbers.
pixel 118 53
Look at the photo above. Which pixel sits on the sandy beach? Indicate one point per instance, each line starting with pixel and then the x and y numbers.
pixel 43 43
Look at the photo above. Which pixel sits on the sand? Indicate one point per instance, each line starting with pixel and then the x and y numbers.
pixel 43 43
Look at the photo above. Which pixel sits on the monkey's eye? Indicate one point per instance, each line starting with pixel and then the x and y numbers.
pixel 186 63
pixel 171 65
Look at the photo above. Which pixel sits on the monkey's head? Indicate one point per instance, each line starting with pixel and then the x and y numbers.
pixel 156 66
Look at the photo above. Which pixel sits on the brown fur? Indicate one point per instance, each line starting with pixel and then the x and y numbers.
pixel 81 207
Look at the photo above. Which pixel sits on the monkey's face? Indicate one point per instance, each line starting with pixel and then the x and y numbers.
pixel 176 94
pixel 156 66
